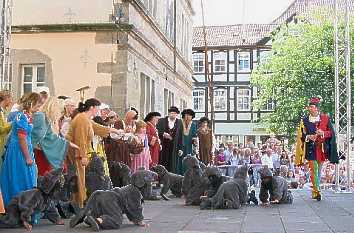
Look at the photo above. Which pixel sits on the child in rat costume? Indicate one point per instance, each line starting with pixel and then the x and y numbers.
pixel 274 189
pixel 104 209
pixel 231 194
pixel 28 203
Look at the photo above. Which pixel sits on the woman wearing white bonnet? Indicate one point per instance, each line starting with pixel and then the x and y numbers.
pixel 65 120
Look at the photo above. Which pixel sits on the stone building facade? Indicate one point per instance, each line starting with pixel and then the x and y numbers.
pixel 133 53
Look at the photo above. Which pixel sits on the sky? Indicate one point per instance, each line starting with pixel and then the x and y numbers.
pixel 226 12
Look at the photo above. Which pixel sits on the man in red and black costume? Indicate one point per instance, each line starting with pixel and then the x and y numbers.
pixel 316 143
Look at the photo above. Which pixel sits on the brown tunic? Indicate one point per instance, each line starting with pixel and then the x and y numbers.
pixel 118 150
pixel 205 145
pixel 81 133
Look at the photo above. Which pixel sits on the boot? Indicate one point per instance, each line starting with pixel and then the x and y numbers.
pixel 316 195
pixel 319 197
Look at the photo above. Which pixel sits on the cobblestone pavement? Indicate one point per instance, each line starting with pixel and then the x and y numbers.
pixel 333 214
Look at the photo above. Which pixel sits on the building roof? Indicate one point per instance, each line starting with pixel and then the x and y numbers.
pixel 232 35
pixel 252 34
pixel 299 7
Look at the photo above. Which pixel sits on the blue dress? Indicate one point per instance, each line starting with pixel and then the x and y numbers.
pixel 187 147
pixel 16 175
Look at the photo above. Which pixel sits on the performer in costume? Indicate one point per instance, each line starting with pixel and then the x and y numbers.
pixel 206 140
pixel 151 120
pixel 19 171
pixel 170 131
pixel 316 143
pixel 189 137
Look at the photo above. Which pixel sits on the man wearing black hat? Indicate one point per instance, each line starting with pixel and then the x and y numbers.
pixel 170 133
pixel 316 143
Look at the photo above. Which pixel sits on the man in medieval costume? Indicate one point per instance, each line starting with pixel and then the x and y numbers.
pixel 316 143
pixel 170 131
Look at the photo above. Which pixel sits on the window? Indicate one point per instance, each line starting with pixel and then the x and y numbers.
pixel 219 62
pixel 151 6
pixel 220 100
pixel 199 100
pixel 243 99
pixel 243 61
pixel 147 94
pixel 198 62
pixel 32 76
pixel 264 56
pixel 169 19
pixel 184 33
pixel 169 100
pixel 269 106
pixel 153 95
pixel 182 104
pixel 165 101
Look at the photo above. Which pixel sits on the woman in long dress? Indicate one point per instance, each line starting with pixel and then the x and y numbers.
pixel 19 172
pixel 189 137
pixel 81 132
pixel 151 120
pixel 206 140
pixel 50 149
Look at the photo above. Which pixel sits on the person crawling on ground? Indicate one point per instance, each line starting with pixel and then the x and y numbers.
pixel 169 181
pixel 274 189
pixel 25 209
pixel 105 209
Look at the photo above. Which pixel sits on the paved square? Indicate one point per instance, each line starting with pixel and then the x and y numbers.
pixel 333 214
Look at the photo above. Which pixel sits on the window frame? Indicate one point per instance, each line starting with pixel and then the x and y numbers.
pixel 269 106
pixel 200 59
pixel 218 98
pixel 200 96
pixel 242 68
pixel 34 82
pixel 243 97
pixel 220 57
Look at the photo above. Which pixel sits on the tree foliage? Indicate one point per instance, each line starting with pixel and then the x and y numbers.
pixel 301 65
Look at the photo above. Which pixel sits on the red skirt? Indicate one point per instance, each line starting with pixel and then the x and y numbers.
pixel 42 162
pixel 2 207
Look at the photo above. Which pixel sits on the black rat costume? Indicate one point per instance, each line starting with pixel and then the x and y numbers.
pixel 169 181
pixel 231 194
pixel 110 205
pixel 274 188
pixel 39 200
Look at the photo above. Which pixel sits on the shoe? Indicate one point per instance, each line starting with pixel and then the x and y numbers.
pixel 89 220
pixel 319 197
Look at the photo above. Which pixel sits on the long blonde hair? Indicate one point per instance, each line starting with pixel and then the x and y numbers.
pixel 28 100
pixel 51 109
